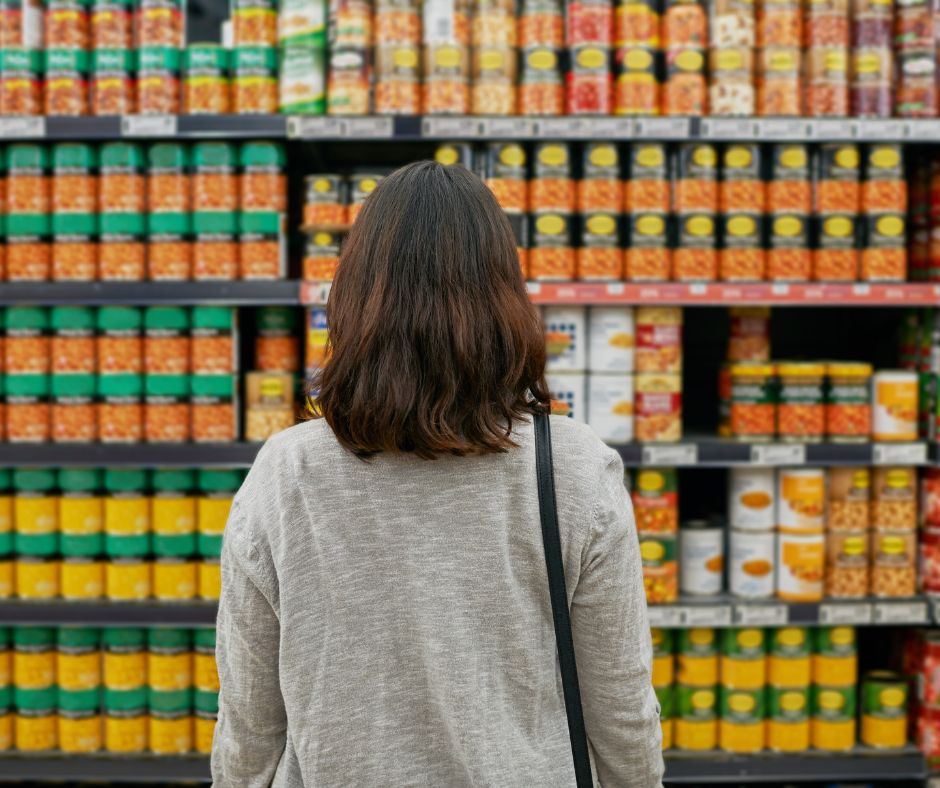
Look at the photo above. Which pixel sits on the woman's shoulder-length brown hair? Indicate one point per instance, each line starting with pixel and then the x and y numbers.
pixel 434 344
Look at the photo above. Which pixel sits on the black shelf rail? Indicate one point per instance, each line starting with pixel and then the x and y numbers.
pixel 14 612
pixel 15 768
pixel 138 455
pixel 240 293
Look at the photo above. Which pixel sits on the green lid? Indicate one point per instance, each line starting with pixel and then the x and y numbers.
pixel 78 637
pixel 79 700
pixel 122 156
pixel 277 320
pixel 27 386
pixel 123 637
pixel 6 481
pixel 125 479
pixel 72 318
pixel 166 386
pixel 35 699
pixel 65 61
pixel 259 223
pixel 204 638
pixel 26 318
pixel 119 318
pixel 215 386
pixel 112 60
pixel 173 479
pixel 214 156
pixel 122 223
pixel 254 60
pixel 220 480
pixel 205 57
pixel 28 158
pixel 206 701
pixel 263 155
pixel 125 700
pixel 120 386
pixel 167 156
pixel 158 59
pixel 73 156
pixel 73 385
pixel 216 318
pixel 169 701
pixel 166 318
pixel 79 480
pixel 166 638
pixel 34 479
pixel 34 636
pixel 18 59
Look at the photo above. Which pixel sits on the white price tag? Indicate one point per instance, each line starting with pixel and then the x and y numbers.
pixel 370 128
pixel 506 128
pixel 698 289
pixel 670 454
pixel 18 128
pixel 559 128
pixel 662 128
pixel 148 126
pixel 457 128
pixel 882 129
pixel 899 454
pixel 728 129
pixel 609 128
pixel 616 289
pixel 533 288
pixel 899 613
pixel 706 616
pixel 664 616
pixel 853 613
pixel 761 615
pixel 923 129
pixel 934 608
pixel 315 128
pixel 832 130
pixel 778 454
pixel 797 129
pixel 780 289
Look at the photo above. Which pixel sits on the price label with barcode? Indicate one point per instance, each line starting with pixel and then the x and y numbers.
pixel 899 454
pixel 706 616
pixel 450 127
pixel 315 128
pixel 832 130
pixel 784 129
pixel 728 129
pixel 609 128
pixel 900 613
pixel 664 616
pixel 370 128
pixel 507 128
pixel 778 454
pixel 882 129
pixel 854 613
pixel 670 454
pixel 148 126
pixel 23 128
pixel 663 128
pixel 761 615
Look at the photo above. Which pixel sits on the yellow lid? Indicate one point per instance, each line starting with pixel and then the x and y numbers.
pixel 801 369
pixel 747 370
pixel 849 369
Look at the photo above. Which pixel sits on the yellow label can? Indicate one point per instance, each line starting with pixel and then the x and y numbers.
pixel 6 516
pixel 171 734
pixel 698 671
pixel 833 725
pixel 6 664
pixel 663 670
pixel 127 579
pixel 78 671
pixel 212 514
pixel 173 515
pixel 80 515
pixel 125 732
pixel 6 730
pixel 788 671
pixel 835 661
pixel 33 670
pixel 7 582
pixel 667 729
pixel 788 723
pixel 124 671
pixel 741 727
pixel 79 731
pixel 884 710
pixel 128 516
pixel 205 730
pixel 174 579
pixel 169 672
pixel 34 731
pixel 696 724
pixel 205 672
pixel 37 578
pixel 82 578
pixel 210 579
pixel 35 514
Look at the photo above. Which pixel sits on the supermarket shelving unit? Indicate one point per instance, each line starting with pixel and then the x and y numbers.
pixel 236 293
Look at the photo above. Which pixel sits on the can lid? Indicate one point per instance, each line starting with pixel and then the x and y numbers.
pixel 219 480
pixel 752 370
pixel 72 318
pixel 206 701
pixel 119 318
pixel 73 156
pixel 167 318
pixel 218 318
pixel 122 155
pixel 78 637
pixel 166 385
pixel 79 480
pixel 125 700
pixel 167 156
pixel 221 386
pixel 126 637
pixel 79 700
pixel 27 385
pixel 30 318
pixel 34 636
pixel 34 479
pixel 168 701
pixel 73 385
pixel 849 369
pixel 801 369
pixel 121 385
pixel 203 637
pixel 125 479
pixel 173 479
pixel 163 637
pixel 213 155
pixel 263 154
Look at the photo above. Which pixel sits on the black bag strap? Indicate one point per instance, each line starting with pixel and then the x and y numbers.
pixel 558 594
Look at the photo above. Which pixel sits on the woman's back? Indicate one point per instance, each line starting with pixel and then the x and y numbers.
pixel 405 603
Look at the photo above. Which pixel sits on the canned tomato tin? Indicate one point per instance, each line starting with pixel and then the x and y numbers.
pixel 698 657
pixel 884 710
pixel 612 339
pixel 656 500
pixel 658 408
pixel 566 338
pixel 835 661
pixel 789 663
pixel 894 405
pixel 751 563
pixel 696 726
pixel 701 558
pixel 663 659
pixel 659 339
pixel 801 498
pixel 743 659
pixel 788 718
pixel 665 696
pixel 741 726
pixel 833 721
pixel 660 569
pixel 751 499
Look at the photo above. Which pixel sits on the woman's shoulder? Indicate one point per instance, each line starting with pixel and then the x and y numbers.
pixel 576 442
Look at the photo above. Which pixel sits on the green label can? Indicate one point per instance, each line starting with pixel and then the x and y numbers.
pixel 789 642
pixel 788 704
pixel 696 703
pixel 742 707
pixel 743 643
pixel 699 642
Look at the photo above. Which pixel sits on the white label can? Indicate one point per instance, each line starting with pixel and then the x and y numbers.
pixel 610 407
pixel 801 498
pixel 801 561
pixel 612 338
pixel 751 499
pixel 751 563
pixel 701 558
pixel 568 393
pixel 566 338
pixel 894 395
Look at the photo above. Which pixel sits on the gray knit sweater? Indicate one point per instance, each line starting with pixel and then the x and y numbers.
pixel 387 623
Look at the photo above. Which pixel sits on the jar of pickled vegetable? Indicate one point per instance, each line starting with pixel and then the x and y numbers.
pixel 753 402
pixel 848 402
pixel 801 414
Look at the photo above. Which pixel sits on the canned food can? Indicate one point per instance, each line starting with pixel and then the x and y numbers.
pixel 894 563
pixel 788 728
pixel 833 721
pixel 801 498
pixel 894 405
pixel 568 391
pixel 663 659
pixel 743 659
pixel 698 658
pixel 751 564
pixel 701 558
pixel 566 338
pixel 696 726
pixel 656 500
pixel 751 499
pixel 610 406
pixel 741 727
pixel 847 564
pixel 835 661
pixel 930 497
pixel 789 663
pixel 894 499
pixel 658 408
pixel 800 564
pixel 659 339
pixel 884 710
pixel 930 560
pixel 660 569
pixel 849 492
pixel 612 339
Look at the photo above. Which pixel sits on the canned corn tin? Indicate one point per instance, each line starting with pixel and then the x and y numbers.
pixel 698 657
pixel 884 710
pixel 835 658
pixel 743 660
pixel 788 718
pixel 665 696
pixel 789 663
pixel 741 727
pixel 696 726
pixel 833 723
pixel 663 660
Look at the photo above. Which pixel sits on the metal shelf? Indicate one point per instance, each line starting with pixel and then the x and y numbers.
pixel 240 293
pixel 16 768
pixel 155 455
pixel 107 614
pixel 143 127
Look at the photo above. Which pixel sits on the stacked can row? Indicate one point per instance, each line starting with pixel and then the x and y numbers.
pixel 618 369
pixel 919 354
pixel 122 211
pixel 922 660
pixel 80 690
pixel 785 690
pixel 693 212
pixel 119 374
pixel 117 534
